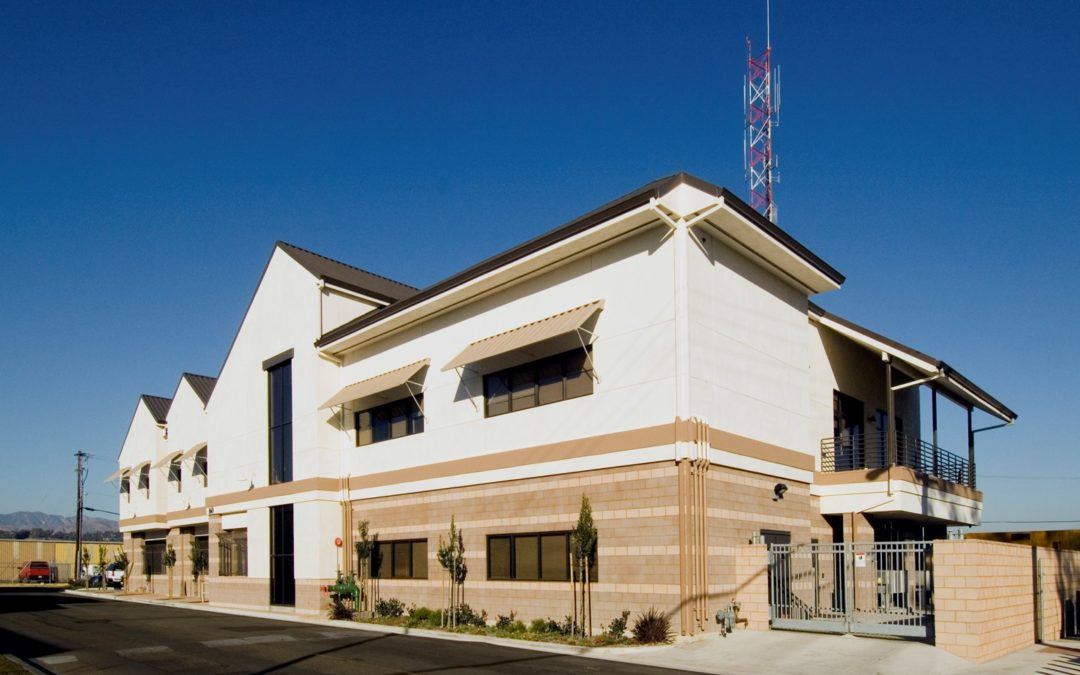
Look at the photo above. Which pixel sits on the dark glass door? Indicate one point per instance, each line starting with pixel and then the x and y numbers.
pixel 849 443
pixel 282 579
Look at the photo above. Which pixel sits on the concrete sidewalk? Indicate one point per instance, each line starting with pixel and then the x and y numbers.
pixel 742 652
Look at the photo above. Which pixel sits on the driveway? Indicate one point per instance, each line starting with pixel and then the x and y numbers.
pixel 65 634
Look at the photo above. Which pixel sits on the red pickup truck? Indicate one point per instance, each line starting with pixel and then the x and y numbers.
pixel 35 570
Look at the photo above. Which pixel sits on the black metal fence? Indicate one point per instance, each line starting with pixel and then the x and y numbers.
pixel 871 451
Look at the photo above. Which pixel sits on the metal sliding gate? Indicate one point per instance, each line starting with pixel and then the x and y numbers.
pixel 880 588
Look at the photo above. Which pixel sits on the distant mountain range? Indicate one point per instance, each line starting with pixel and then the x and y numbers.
pixel 31 520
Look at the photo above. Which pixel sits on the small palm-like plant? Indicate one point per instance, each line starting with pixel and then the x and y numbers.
pixel 652 627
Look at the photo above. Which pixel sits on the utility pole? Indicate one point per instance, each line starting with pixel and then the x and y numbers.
pixel 80 479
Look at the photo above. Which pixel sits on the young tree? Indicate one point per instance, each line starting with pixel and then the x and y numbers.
pixel 169 560
pixel 199 564
pixel 583 545
pixel 451 556
pixel 102 554
pixel 121 558
pixel 85 562
pixel 364 548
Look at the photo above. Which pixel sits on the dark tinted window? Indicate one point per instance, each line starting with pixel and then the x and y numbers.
pixel 390 420
pixel 232 553
pixel 282 578
pixel 200 467
pixel 549 380
pixel 400 559
pixel 174 472
pixel 531 557
pixel 153 555
pixel 280 416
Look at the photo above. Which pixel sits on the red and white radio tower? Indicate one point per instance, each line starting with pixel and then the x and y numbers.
pixel 761 105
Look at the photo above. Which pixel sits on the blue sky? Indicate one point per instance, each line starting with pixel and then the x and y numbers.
pixel 151 153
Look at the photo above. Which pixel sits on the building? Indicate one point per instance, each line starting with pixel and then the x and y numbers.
pixel 660 355
pixel 1068 540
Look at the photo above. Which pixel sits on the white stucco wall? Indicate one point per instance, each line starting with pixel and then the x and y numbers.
pixel 187 427
pixel 749 355
pixel 632 356
pixel 145 441
pixel 284 314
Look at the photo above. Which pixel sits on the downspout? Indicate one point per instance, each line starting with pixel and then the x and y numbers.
pixel 687 471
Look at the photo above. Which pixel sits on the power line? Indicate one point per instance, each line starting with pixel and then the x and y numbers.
pixel 990 475
pixel 1025 522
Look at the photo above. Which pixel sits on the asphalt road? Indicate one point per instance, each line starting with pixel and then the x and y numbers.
pixel 68 634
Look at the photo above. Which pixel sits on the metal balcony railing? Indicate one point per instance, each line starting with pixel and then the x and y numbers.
pixel 871 451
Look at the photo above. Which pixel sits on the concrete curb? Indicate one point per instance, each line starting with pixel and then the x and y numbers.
pixel 28 667
pixel 602 653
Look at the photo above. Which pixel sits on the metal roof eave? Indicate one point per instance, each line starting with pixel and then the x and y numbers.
pixel 960 387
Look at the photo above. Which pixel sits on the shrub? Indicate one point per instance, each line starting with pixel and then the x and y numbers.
pixel 518 627
pixel 424 617
pixel 467 617
pixel 652 627
pixel 391 607
pixel 504 622
pixel 539 626
pixel 338 610
pixel 566 627
pixel 617 627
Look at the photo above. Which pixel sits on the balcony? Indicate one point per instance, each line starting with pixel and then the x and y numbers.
pixel 871 451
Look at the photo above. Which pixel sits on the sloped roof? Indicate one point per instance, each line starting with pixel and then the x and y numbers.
pixel 158 406
pixel 202 384
pixel 628 202
pixel 348 276
pixel 961 388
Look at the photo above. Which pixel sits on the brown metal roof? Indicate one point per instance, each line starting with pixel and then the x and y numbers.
pixel 202 384
pixel 628 202
pixel 158 406
pixel 347 276
pixel 942 366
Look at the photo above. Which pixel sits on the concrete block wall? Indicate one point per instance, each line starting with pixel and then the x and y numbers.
pixel 1060 590
pixel 984 596
pixel 636 516
pixel 752 585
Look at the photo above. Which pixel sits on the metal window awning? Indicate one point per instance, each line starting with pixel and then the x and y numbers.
pixel 166 459
pixel 390 381
pixel 563 323
pixel 188 454
pixel 119 472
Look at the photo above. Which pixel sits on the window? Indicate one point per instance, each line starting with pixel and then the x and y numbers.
pixel 531 557
pixel 391 420
pixel 125 485
pixel 400 559
pixel 232 553
pixel 280 409
pixel 199 468
pixel 549 380
pixel 153 555
pixel 282 578
pixel 201 544
pixel 174 473
pixel 144 478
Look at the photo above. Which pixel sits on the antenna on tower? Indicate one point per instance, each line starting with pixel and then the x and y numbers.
pixel 761 108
